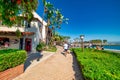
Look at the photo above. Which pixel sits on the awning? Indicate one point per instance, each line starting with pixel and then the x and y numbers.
pixel 28 33
pixel 11 33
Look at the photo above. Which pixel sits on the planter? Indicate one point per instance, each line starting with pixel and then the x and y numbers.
pixel 11 73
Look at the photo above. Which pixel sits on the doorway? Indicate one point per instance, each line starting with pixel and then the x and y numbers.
pixel 28 44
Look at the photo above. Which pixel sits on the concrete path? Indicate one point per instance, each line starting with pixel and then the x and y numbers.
pixel 56 67
pixel 113 50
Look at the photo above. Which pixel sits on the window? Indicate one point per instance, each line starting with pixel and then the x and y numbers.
pixel 4 42
pixel 26 24
pixel 39 24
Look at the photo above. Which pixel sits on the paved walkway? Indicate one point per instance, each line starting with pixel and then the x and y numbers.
pixel 56 67
pixel 118 51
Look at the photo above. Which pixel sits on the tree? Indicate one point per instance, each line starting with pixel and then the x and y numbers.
pixel 11 9
pixel 104 41
pixel 76 41
pixel 48 12
pixel 55 38
pixel 53 17
pixel 66 38
pixel 96 41
pixel 58 19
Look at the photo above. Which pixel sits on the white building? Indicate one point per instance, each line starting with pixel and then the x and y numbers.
pixel 32 33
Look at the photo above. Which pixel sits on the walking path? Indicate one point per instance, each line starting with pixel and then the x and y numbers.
pixel 56 67
pixel 113 50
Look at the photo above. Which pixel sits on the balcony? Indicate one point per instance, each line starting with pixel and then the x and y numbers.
pixel 12 29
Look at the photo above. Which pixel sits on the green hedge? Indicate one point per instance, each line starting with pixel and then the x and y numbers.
pixel 99 65
pixel 11 57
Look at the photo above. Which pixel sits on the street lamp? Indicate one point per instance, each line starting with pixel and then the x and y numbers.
pixel 82 43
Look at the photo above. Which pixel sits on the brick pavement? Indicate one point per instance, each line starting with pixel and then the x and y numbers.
pixel 56 67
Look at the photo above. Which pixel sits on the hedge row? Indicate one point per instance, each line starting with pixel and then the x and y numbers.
pixel 11 57
pixel 99 65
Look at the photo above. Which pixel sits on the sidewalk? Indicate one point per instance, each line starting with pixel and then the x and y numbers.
pixel 55 67
pixel 34 59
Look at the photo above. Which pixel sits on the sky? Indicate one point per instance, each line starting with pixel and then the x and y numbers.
pixel 96 19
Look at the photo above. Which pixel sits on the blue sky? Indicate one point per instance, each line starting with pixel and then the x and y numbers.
pixel 96 19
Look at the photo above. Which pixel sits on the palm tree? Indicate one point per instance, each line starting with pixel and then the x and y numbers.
pixel 48 13
pixel 104 41
pixel 53 17
pixel 76 41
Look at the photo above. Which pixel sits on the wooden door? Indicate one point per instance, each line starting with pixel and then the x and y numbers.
pixel 28 44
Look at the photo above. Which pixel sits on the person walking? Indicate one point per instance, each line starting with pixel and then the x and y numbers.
pixel 65 46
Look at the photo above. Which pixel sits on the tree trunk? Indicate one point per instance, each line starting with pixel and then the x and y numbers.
pixel 47 35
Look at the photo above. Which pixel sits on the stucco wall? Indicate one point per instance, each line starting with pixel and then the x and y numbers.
pixel 43 33
pixel 36 37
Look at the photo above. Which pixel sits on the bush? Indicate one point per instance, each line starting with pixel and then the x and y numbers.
pixel 99 65
pixel 40 46
pixel 11 57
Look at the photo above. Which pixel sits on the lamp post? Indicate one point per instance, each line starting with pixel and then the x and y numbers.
pixel 82 43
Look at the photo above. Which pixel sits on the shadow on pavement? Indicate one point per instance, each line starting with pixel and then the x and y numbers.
pixel 76 68
pixel 32 56
pixel 63 53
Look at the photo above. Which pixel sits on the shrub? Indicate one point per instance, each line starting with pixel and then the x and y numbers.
pixel 11 57
pixel 99 65
pixel 18 33
pixel 40 46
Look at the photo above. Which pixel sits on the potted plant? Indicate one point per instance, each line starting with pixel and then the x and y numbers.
pixel 18 33
pixel 40 47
